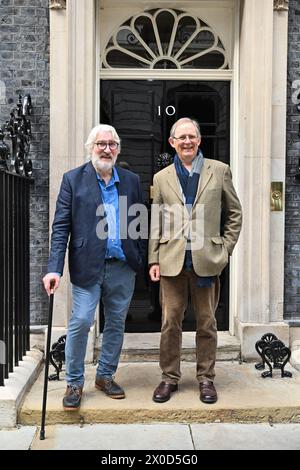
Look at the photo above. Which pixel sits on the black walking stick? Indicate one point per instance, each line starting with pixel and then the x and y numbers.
pixel 50 314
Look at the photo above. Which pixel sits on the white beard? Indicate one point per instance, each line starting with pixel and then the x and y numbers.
pixel 102 166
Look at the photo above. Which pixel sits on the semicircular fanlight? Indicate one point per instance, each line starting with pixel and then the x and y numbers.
pixel 165 38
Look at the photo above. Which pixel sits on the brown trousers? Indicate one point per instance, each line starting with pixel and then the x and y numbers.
pixel 174 299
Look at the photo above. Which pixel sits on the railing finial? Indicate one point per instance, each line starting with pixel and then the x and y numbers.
pixel 14 156
pixel 281 5
pixel 58 4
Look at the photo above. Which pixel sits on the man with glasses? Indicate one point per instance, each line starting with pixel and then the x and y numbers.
pixel 187 252
pixel 102 263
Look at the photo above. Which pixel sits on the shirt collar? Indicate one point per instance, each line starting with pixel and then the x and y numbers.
pixel 114 177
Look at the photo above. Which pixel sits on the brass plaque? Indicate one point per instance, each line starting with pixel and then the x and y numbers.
pixel 276 196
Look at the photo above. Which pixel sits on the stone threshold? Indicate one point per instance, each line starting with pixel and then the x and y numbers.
pixel 244 397
pixel 144 347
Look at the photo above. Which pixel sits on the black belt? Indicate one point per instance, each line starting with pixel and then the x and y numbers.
pixel 111 260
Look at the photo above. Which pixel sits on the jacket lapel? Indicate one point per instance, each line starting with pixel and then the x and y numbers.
pixel 92 183
pixel 173 182
pixel 122 186
pixel 205 176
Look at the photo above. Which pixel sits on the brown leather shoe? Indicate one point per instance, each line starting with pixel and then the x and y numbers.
pixel 163 392
pixel 109 387
pixel 72 398
pixel 208 393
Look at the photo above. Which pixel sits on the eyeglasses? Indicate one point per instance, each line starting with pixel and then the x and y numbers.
pixel 102 145
pixel 182 138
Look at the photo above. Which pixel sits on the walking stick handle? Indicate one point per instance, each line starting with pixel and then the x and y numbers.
pixel 52 285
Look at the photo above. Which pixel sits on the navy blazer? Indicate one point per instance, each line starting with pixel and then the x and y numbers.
pixel 75 216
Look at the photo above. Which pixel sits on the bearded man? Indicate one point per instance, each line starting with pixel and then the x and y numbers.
pixel 101 262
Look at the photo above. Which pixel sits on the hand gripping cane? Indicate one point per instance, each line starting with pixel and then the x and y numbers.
pixel 50 314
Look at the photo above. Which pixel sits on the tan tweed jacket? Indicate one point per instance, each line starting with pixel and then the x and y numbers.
pixel 173 227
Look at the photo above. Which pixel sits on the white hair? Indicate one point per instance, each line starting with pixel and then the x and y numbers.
pixel 182 121
pixel 93 134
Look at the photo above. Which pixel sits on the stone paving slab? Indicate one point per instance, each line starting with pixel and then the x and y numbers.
pixel 244 396
pixel 159 436
pixel 116 437
pixel 229 436
pixel 17 438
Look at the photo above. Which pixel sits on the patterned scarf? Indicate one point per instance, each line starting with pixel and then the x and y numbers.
pixel 189 180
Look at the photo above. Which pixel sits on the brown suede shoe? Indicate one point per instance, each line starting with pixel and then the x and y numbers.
pixel 72 398
pixel 109 387
pixel 208 393
pixel 163 392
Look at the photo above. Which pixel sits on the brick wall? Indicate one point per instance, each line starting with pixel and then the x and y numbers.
pixel 24 68
pixel 292 230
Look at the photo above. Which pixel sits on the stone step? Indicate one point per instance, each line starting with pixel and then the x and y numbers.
pixel 244 397
pixel 144 347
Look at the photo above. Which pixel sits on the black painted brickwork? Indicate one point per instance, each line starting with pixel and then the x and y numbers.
pixel 24 68
pixel 292 229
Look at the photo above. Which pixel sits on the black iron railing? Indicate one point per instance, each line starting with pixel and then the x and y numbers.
pixel 15 181
pixel 14 268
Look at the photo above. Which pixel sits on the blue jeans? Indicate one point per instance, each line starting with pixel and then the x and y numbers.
pixel 116 286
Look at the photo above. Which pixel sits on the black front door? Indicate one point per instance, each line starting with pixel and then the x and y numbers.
pixel 143 112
